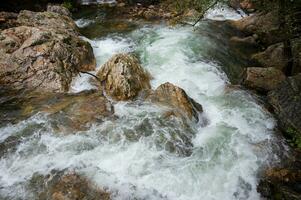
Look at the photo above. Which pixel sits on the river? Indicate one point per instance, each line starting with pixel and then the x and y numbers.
pixel 219 158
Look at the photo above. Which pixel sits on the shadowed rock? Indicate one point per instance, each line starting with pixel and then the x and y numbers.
pixel 262 79
pixel 273 56
pixel 123 78
pixel 286 101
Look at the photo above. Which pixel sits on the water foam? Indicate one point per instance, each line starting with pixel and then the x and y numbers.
pixel 128 155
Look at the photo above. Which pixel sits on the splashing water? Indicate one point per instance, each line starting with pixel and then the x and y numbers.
pixel 132 155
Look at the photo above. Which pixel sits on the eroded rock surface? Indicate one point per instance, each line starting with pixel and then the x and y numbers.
pixel 262 79
pixel 123 78
pixel 43 54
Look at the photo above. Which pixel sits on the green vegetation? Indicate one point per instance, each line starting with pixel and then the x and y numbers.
pixel 68 4
pixel 295 138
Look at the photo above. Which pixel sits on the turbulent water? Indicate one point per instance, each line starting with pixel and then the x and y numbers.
pixel 139 155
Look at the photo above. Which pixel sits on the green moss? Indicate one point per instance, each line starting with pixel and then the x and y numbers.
pixel 295 137
pixel 68 4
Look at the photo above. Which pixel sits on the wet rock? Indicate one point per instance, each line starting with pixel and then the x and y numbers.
pixel 262 79
pixel 265 25
pixel 44 54
pixel 8 20
pixel 176 98
pixel 123 78
pixel 273 56
pixel 281 183
pixel 69 112
pixel 286 101
pixel 59 9
pixel 66 186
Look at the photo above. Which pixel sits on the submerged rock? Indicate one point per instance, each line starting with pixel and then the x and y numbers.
pixel 44 54
pixel 68 186
pixel 286 101
pixel 273 56
pixel 176 98
pixel 123 78
pixel 262 79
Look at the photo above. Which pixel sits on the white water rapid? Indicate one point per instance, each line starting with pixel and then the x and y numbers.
pixel 129 156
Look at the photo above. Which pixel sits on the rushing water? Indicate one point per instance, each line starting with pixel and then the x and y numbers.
pixel 139 155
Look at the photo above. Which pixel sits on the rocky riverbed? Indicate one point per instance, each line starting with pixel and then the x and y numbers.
pixel 132 102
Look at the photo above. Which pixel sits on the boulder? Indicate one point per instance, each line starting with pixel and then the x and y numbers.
pixel 59 9
pixel 265 25
pixel 286 102
pixel 273 56
pixel 48 20
pixel 262 79
pixel 66 186
pixel 176 98
pixel 44 54
pixel 123 78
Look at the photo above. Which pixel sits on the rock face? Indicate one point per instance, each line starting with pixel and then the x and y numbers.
pixel 123 77
pixel 43 54
pixel 266 26
pixel 69 186
pixel 262 79
pixel 286 101
pixel 176 98
pixel 59 9
pixel 273 56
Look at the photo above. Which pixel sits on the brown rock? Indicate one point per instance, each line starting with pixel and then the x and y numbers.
pixel 176 98
pixel 273 56
pixel 42 59
pixel 262 79
pixel 69 112
pixel 49 20
pixel 59 9
pixel 123 77
pixel 265 25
